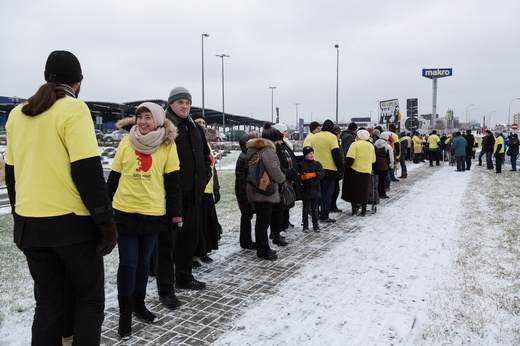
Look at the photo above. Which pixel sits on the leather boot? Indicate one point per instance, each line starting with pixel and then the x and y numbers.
pixel 306 227
pixel 316 227
pixel 404 175
pixel 125 317
pixel 278 240
pixel 140 309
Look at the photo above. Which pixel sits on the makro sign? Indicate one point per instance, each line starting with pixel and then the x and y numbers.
pixel 437 72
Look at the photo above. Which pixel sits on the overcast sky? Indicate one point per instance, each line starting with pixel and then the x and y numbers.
pixel 133 50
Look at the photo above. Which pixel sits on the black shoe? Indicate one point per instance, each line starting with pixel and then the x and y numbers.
pixel 196 264
pixel 206 259
pixel 279 241
pixel 250 246
pixel 336 210
pixel 192 285
pixel 316 227
pixel 271 256
pixel 362 214
pixel 329 220
pixel 385 196
pixel 170 301
pixel 395 180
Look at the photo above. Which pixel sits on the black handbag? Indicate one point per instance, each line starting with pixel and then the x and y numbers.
pixel 259 179
pixel 287 194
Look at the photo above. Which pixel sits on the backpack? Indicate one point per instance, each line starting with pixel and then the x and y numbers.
pixel 259 179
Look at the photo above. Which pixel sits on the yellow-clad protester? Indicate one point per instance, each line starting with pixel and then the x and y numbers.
pixel 145 188
pixel 417 147
pixel 314 128
pixel 63 221
pixel 498 151
pixel 358 168
pixel 328 153
pixel 434 148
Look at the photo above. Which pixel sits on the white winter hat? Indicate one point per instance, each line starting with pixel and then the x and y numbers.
pixel 385 135
pixel 280 127
pixel 363 135
pixel 157 112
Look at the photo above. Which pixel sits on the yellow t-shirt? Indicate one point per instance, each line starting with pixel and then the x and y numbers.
pixel 41 148
pixel 141 186
pixel 209 186
pixel 499 140
pixel 433 141
pixel 323 143
pixel 308 140
pixel 364 156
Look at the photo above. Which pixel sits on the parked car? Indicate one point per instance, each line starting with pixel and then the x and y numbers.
pixel 3 136
pixel 99 135
pixel 115 136
pixel 235 135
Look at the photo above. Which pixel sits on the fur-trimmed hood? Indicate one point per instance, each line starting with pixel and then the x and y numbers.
pixel 170 130
pixel 260 143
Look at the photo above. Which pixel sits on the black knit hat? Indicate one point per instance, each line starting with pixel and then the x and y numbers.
pixel 328 125
pixel 307 150
pixel 352 126
pixel 62 67
pixel 314 125
pixel 197 116
pixel 271 133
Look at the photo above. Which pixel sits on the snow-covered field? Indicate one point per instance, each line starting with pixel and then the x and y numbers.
pixel 439 265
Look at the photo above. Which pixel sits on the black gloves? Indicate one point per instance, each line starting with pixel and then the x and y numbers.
pixel 108 232
pixel 216 194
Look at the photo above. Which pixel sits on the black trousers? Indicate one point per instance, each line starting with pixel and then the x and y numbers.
pixel 165 271
pixel 245 227
pixel 186 243
pixel 263 221
pixel 52 269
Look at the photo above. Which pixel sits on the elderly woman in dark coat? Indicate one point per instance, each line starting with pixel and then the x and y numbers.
pixel 358 163
pixel 264 204
pixel 247 209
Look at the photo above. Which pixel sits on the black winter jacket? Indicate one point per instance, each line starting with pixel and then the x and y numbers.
pixel 311 187
pixel 289 165
pixel 194 158
pixel 241 172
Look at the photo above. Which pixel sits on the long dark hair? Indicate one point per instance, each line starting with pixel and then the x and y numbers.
pixel 44 98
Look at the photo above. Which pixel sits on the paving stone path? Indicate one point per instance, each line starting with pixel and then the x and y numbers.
pixel 238 283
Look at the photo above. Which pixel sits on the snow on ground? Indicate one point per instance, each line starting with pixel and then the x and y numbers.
pixel 374 288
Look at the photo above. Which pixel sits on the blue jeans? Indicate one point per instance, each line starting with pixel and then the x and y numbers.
pixel 461 163
pixel 513 162
pixel 482 153
pixel 134 262
pixel 402 161
pixel 327 189
pixel 489 159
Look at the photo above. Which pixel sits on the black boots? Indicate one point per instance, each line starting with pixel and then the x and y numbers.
pixel 140 309
pixel 316 227
pixel 125 317
pixel 306 227
pixel 278 240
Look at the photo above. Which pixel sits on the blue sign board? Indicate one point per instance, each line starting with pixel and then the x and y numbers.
pixel 437 72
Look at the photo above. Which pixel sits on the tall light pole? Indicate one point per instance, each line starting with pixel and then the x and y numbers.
pixel 337 79
pixel 296 127
pixel 472 109
pixel 222 56
pixel 467 113
pixel 509 115
pixel 203 35
pixel 272 102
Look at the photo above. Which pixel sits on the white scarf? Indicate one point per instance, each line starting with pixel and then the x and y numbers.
pixel 148 143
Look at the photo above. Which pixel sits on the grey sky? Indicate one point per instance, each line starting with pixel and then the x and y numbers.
pixel 133 50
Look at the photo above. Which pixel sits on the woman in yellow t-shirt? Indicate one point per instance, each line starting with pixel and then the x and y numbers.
pixel 145 171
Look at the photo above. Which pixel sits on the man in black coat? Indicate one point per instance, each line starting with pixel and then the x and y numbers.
pixel 469 149
pixel 195 173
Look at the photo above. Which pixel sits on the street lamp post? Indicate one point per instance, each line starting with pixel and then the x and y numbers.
pixel 222 56
pixel 296 127
pixel 272 102
pixel 337 79
pixel 469 125
pixel 203 35
pixel 509 115
pixel 467 113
